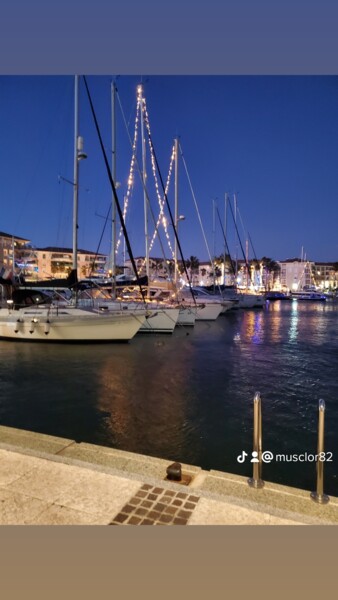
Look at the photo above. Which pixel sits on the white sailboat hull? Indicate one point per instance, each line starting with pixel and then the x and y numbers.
pixel 68 325
pixel 159 319
pixel 250 301
pixel 187 316
pixel 162 320
pixel 227 305
pixel 209 311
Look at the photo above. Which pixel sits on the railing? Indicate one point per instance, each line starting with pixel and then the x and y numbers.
pixel 256 480
pixel 318 495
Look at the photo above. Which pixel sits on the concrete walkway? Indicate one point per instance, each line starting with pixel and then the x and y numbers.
pixel 46 480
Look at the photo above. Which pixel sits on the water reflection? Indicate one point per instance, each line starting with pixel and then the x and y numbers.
pixel 187 397
pixel 147 396
pixel 293 330
pixel 251 328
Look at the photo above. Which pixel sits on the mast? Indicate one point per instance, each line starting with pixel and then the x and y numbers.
pixel 13 256
pixel 113 171
pixel 176 210
pixel 236 256
pixel 214 239
pixel 225 232
pixel 144 177
pixel 247 262
pixel 79 154
pixel 124 249
pixel 76 172
pixel 177 217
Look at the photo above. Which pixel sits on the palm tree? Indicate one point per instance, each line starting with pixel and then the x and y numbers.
pixel 271 268
pixel 193 264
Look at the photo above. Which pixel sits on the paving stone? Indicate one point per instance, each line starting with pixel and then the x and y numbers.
pixel 61 515
pixel 99 493
pixel 14 465
pixel 19 509
pixel 163 512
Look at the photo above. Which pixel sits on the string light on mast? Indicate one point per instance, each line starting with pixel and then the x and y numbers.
pixel 130 180
pixel 162 219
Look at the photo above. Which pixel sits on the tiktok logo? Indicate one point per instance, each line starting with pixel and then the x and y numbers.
pixel 241 457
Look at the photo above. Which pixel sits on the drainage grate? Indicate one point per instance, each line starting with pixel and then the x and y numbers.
pixel 157 506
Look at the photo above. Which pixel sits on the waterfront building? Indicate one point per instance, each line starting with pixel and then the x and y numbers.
pixel 10 246
pixel 295 274
pixel 201 274
pixel 325 275
pixel 50 262
pixel 56 262
pixel 19 256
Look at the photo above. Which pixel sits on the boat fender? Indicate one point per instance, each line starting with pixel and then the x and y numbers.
pixel 17 325
pixel 47 327
pixel 32 325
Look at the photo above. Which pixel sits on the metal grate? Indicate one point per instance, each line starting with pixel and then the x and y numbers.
pixel 157 506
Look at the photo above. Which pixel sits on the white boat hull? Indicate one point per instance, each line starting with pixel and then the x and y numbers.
pixel 251 301
pixel 209 311
pixel 68 325
pixel 227 305
pixel 187 316
pixel 159 319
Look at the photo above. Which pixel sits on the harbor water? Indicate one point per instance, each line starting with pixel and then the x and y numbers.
pixel 188 397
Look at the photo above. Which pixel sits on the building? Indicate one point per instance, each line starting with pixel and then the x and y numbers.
pixel 200 274
pixel 10 248
pixel 56 262
pixel 18 255
pixel 296 274
pixel 325 275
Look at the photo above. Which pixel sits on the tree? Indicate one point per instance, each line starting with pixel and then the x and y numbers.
pixel 271 268
pixel 194 264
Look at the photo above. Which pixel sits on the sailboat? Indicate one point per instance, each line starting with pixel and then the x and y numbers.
pixel 242 299
pixel 202 305
pixel 33 315
pixel 161 318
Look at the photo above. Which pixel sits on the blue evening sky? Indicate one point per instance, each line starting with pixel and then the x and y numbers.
pixel 272 140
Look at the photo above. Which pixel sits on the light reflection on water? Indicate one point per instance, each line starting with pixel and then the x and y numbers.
pixel 188 397
pixel 293 332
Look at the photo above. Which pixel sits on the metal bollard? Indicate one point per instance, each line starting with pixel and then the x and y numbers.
pixel 256 480
pixel 318 495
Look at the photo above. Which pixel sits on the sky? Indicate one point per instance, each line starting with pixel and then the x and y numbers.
pixel 271 140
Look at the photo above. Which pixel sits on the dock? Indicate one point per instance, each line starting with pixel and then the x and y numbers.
pixel 47 480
